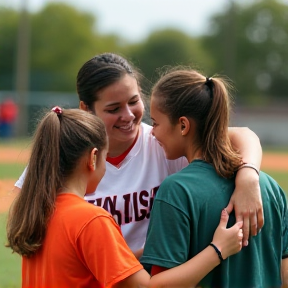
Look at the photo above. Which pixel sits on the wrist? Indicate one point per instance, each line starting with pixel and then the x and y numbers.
pixel 250 166
pixel 248 176
pixel 217 251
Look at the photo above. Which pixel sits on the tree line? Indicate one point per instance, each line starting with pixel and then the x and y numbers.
pixel 248 43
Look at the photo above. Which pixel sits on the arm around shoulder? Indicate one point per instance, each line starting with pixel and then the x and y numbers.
pixel 246 199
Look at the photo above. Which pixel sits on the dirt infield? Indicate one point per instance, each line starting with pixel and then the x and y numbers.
pixel 14 155
pixel 6 194
pixel 277 162
pixel 10 155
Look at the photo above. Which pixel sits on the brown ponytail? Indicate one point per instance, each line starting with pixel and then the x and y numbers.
pixel 59 143
pixel 185 92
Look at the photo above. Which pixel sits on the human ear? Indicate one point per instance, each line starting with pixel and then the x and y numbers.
pixel 83 106
pixel 93 159
pixel 184 125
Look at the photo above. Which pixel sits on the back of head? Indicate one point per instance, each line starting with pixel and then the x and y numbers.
pixel 100 72
pixel 61 139
pixel 186 92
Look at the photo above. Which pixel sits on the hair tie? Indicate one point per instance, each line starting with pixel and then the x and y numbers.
pixel 57 110
pixel 209 82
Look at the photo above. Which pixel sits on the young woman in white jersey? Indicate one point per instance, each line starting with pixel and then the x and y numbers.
pixel 109 87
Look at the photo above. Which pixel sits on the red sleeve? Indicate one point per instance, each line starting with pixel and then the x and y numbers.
pixel 105 252
pixel 157 269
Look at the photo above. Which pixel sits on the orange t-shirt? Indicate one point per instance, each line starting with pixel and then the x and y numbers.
pixel 83 247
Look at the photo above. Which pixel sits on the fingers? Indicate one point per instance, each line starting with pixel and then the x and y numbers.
pixel 240 238
pixel 230 207
pixel 240 225
pixel 260 218
pixel 224 219
pixel 253 224
pixel 246 229
pixel 240 235
pixel 256 221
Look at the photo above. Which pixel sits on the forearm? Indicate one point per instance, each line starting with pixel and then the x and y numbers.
pixel 188 274
pixel 247 143
pixel 246 199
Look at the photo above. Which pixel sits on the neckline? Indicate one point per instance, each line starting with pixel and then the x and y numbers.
pixel 116 161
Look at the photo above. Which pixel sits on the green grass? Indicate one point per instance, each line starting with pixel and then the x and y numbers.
pixel 16 143
pixel 10 264
pixel 11 170
pixel 281 178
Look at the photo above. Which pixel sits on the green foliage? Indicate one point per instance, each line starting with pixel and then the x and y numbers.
pixel 168 48
pixel 61 40
pixel 248 43
pixel 8 38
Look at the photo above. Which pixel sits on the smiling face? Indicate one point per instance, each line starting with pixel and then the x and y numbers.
pixel 168 135
pixel 121 108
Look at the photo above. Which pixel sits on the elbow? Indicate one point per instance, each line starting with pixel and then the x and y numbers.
pixel 249 131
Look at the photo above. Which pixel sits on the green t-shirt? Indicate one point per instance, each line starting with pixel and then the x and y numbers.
pixel 186 213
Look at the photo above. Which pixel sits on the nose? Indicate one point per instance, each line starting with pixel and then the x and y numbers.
pixel 152 132
pixel 127 114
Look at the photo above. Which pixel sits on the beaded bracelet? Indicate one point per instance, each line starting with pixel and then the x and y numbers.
pixel 217 251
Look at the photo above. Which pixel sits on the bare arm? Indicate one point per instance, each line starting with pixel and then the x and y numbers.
pixel 284 273
pixel 247 143
pixel 246 199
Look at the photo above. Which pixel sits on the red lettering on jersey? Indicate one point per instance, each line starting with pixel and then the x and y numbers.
pixel 143 194
pixel 130 208
pixel 143 212
pixel 99 202
pixel 112 205
pixel 127 206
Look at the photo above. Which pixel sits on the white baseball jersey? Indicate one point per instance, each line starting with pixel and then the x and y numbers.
pixel 127 192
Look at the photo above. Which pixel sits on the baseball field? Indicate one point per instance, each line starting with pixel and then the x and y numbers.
pixel 14 157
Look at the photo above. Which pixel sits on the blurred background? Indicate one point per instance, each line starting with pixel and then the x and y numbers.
pixel 43 43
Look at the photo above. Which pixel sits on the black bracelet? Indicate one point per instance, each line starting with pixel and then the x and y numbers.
pixel 217 251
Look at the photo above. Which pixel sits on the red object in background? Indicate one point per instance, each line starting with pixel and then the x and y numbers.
pixel 8 111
